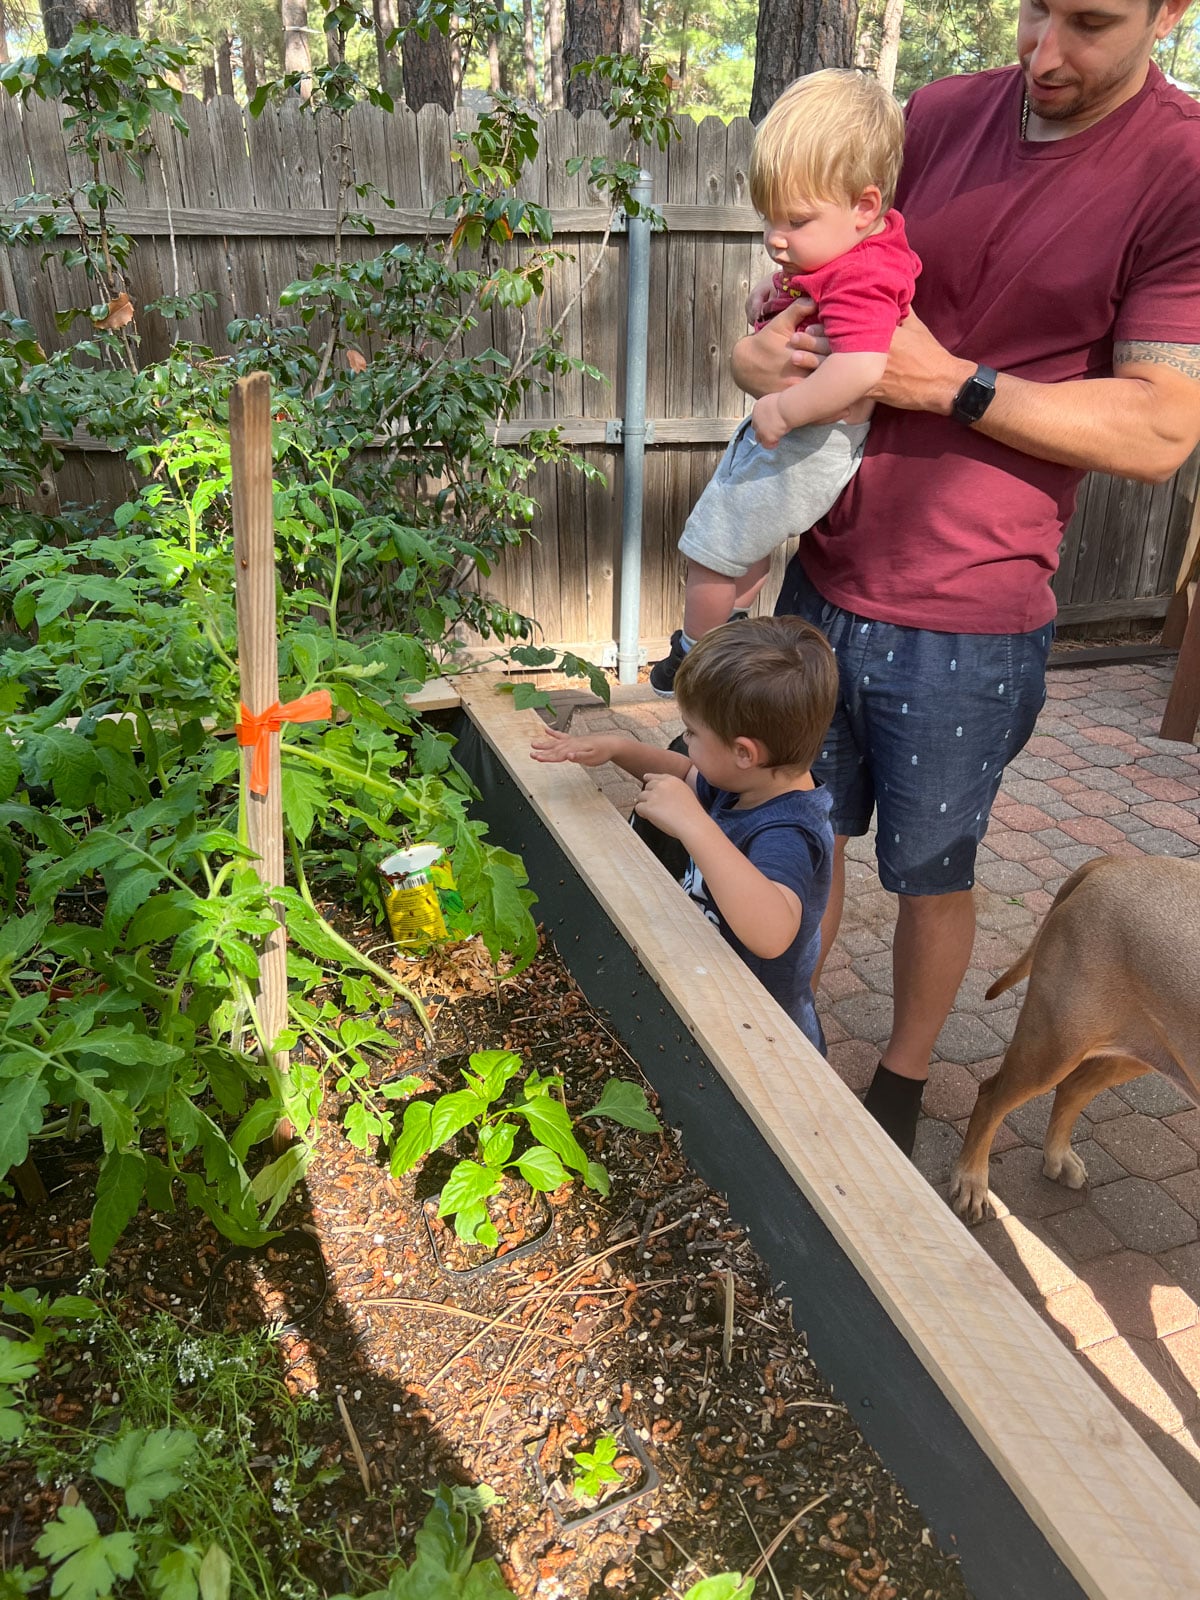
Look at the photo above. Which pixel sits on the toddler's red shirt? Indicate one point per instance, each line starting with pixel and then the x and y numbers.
pixel 859 296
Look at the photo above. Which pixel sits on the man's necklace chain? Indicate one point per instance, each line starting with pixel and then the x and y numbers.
pixel 1024 115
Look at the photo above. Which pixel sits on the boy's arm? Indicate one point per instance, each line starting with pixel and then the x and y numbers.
pixel 763 914
pixel 638 759
pixel 825 395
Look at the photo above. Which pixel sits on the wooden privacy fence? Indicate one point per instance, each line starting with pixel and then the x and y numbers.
pixel 243 206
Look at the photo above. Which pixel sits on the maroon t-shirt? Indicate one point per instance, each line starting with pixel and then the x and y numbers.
pixel 1036 257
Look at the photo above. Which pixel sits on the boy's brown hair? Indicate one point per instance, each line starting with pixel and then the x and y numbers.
pixel 772 679
pixel 829 136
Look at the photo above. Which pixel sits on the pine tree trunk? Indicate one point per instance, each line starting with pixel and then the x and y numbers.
pixel 528 54
pixel 554 47
pixel 225 64
pixel 889 44
pixel 249 68
pixel 61 17
pixel 208 82
pixel 428 72
pixel 386 22
pixel 494 64
pixel 794 39
pixel 297 57
pixel 596 28
pixel 4 57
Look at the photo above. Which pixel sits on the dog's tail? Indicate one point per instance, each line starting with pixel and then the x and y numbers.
pixel 1022 967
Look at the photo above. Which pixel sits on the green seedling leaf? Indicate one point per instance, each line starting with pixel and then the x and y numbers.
pixel 550 1123
pixel 176 1575
pixel 594 1468
pixel 496 1143
pixel 145 1465
pixel 625 1103
pixel 542 1169
pixel 451 1112
pixel 468 1184
pixel 722 1586
pixel 88 1562
pixel 215 1574
pixel 494 1068
pixel 19 1359
pixel 414 1141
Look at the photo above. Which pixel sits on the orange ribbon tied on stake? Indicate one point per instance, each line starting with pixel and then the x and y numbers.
pixel 255 728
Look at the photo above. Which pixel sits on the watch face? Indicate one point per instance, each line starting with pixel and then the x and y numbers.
pixel 973 399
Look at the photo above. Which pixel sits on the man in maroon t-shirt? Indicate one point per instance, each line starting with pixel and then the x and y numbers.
pixel 1056 208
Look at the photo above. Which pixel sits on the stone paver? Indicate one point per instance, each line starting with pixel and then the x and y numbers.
pixel 1144 1147
pixel 1143 1215
pixel 1115 1267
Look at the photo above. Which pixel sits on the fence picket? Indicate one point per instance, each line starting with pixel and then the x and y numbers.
pixel 252 203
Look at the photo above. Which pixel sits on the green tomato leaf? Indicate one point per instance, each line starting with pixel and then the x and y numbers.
pixel 119 1189
pixel 22 1101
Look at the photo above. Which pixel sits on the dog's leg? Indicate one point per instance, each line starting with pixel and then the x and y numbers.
pixel 1090 1077
pixel 1035 1061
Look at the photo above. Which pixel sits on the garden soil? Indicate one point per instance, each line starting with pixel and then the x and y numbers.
pixel 613 1322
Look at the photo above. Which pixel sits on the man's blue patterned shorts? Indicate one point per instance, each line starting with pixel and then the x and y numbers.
pixel 924 727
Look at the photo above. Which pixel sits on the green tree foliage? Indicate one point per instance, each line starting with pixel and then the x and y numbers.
pixel 708 47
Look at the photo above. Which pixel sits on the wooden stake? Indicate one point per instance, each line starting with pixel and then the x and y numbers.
pixel 258 659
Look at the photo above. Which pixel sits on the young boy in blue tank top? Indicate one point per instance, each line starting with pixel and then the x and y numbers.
pixel 756 697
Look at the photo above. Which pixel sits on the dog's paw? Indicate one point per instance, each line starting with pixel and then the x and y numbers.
pixel 969 1196
pixel 1065 1167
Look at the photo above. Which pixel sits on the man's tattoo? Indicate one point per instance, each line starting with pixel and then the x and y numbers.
pixel 1181 358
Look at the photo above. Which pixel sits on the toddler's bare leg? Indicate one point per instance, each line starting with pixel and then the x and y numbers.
pixel 749 585
pixel 708 599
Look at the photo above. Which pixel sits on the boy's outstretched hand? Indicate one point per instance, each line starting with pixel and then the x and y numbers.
pixel 669 803
pixel 554 746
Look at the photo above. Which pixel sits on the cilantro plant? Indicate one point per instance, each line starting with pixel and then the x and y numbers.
pixel 546 1155
pixel 168 1495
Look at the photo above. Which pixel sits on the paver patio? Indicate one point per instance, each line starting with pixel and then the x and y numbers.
pixel 1115 1269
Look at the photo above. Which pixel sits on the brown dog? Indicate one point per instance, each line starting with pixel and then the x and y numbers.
pixel 1114 991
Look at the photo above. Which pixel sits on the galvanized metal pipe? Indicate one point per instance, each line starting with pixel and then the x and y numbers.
pixel 633 433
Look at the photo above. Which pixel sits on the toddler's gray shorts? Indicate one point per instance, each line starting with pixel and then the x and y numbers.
pixel 757 497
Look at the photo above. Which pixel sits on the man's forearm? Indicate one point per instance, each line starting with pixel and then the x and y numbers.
pixel 1141 423
pixel 1115 425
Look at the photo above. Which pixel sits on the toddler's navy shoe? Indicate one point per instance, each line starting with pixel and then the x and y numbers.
pixel 662 673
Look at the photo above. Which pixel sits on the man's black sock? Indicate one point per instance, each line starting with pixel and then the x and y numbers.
pixel 895 1103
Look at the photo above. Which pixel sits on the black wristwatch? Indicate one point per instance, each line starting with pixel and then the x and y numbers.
pixel 975 396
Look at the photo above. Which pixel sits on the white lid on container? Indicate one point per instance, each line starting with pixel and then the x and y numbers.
pixel 419 859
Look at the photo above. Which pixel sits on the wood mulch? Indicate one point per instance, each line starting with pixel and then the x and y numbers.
pixel 614 1322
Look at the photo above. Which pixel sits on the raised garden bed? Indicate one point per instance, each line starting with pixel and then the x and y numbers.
pixel 1017 1459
